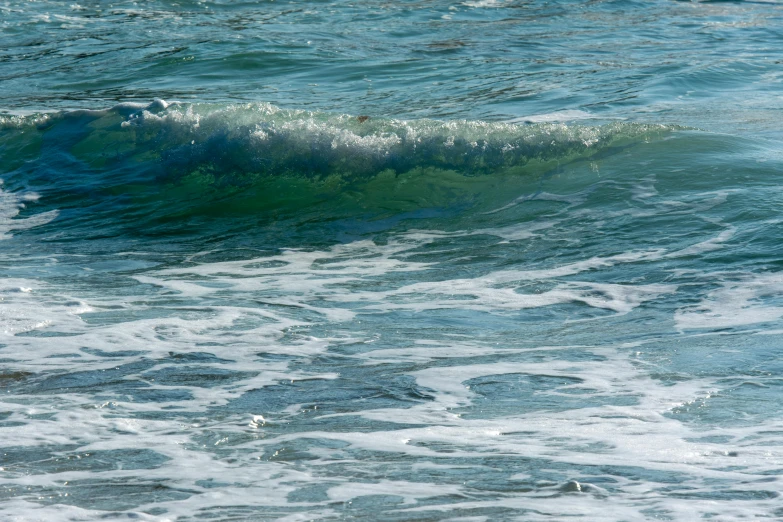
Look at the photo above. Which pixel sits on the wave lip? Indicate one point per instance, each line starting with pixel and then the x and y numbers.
pixel 264 138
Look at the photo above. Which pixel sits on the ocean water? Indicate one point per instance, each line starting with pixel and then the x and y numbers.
pixel 314 260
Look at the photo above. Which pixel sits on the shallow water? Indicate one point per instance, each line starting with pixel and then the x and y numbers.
pixel 539 281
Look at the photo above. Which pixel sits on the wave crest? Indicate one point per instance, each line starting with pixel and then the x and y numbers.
pixel 181 158
pixel 262 138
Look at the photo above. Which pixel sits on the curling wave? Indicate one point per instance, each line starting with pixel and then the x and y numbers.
pixel 255 156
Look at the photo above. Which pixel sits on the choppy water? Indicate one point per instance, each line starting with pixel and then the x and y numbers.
pixel 391 261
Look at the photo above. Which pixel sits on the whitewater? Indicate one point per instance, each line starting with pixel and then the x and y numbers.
pixel 482 260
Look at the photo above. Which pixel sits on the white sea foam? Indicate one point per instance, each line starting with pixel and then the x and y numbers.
pixel 742 300
pixel 586 423
pixel 709 245
pixel 11 204
pixel 25 305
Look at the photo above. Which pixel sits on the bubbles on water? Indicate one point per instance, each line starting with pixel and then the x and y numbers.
pixel 11 204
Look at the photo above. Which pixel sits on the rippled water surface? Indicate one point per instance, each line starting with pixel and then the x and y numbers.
pixel 486 260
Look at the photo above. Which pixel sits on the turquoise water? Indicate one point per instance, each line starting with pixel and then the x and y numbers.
pixel 391 261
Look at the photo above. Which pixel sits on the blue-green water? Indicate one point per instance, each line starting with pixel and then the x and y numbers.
pixel 482 260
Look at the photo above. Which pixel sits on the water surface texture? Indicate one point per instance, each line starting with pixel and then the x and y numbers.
pixel 488 260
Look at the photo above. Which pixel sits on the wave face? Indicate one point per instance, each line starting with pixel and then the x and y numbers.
pixel 179 159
